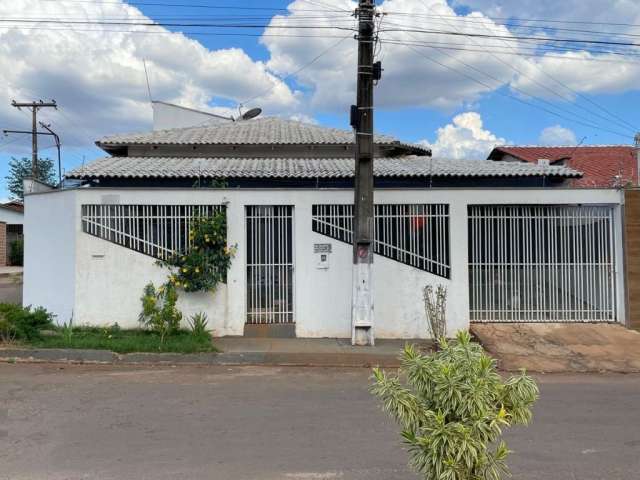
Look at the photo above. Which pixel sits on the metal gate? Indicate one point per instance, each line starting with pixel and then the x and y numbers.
pixel 269 264
pixel 541 263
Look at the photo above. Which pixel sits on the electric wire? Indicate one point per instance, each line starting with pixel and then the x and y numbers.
pixel 620 122
pixel 515 98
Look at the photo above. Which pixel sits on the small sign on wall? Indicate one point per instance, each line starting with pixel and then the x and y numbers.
pixel 321 248
pixel 322 251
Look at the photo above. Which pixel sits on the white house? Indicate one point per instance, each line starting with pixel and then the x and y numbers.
pixel 509 241
pixel 11 228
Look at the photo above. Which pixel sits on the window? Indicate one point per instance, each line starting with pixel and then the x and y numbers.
pixel 413 234
pixel 155 230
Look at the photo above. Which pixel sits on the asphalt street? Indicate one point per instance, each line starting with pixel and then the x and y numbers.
pixel 266 423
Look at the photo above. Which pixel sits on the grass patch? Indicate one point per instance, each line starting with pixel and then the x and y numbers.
pixel 125 341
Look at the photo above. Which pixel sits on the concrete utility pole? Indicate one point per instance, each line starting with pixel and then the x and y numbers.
pixel 34 106
pixel 363 225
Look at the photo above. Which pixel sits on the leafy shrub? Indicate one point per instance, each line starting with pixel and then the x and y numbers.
pixel 198 324
pixel 205 265
pixel 159 311
pixel 16 252
pixel 452 409
pixel 23 323
pixel 7 332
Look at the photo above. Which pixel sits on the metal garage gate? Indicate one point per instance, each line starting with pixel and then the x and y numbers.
pixel 269 264
pixel 541 263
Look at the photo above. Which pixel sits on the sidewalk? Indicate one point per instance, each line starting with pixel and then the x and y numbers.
pixel 314 351
pixel 321 352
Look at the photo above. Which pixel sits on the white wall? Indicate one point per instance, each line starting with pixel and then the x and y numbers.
pixel 107 280
pixel 166 116
pixel 50 232
pixel 11 217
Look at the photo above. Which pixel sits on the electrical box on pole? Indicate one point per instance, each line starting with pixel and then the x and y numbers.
pixel 362 122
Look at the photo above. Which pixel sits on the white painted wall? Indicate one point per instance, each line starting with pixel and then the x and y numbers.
pixel 50 233
pixel 107 280
pixel 11 217
pixel 166 116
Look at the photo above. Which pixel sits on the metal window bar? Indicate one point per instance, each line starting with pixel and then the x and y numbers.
pixel 270 254
pixel 541 263
pixel 413 234
pixel 155 230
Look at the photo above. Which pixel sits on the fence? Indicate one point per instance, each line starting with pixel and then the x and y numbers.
pixel 413 234
pixel 156 230
pixel 541 263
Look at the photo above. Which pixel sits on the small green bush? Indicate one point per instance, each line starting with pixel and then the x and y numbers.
pixel 16 252
pixel 198 324
pixel 23 323
pixel 159 311
pixel 204 266
pixel 452 409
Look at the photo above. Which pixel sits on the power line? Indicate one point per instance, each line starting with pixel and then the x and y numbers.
pixel 184 5
pixel 431 44
pixel 520 19
pixel 513 97
pixel 315 59
pixel 512 37
pixel 621 123
pixel 177 24
pixel 168 32
pixel 526 51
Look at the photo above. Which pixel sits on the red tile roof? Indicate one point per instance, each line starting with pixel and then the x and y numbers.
pixel 603 166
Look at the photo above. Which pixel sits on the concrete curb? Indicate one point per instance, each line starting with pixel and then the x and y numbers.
pixel 56 355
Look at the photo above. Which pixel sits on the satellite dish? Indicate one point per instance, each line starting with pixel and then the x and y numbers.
pixel 253 113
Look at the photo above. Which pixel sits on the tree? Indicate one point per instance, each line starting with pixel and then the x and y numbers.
pixel 452 407
pixel 19 168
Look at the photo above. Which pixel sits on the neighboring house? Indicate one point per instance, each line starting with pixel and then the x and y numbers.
pixel 601 165
pixel 11 221
pixel 493 233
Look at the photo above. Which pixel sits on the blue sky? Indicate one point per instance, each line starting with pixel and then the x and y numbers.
pixel 96 75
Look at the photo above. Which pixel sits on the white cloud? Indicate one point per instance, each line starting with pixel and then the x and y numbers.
pixel 557 135
pixel 96 73
pixel 579 70
pixel 626 11
pixel 464 138
pixel 413 76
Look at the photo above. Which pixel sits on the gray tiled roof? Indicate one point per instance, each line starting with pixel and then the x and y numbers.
pixel 409 166
pixel 268 130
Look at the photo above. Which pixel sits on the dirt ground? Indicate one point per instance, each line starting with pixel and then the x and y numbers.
pixel 561 347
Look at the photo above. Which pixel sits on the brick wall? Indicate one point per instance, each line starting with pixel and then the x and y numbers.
pixel 632 253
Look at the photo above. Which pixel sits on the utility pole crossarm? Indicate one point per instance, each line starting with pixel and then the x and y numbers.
pixel 362 121
pixel 34 107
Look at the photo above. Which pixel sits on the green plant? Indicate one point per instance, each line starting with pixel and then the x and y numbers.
pixel 16 252
pixel 20 168
pixel 67 332
pixel 126 341
pixel 25 323
pixel 452 407
pixel 435 305
pixel 205 264
pixel 159 311
pixel 198 324
pixel 7 331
